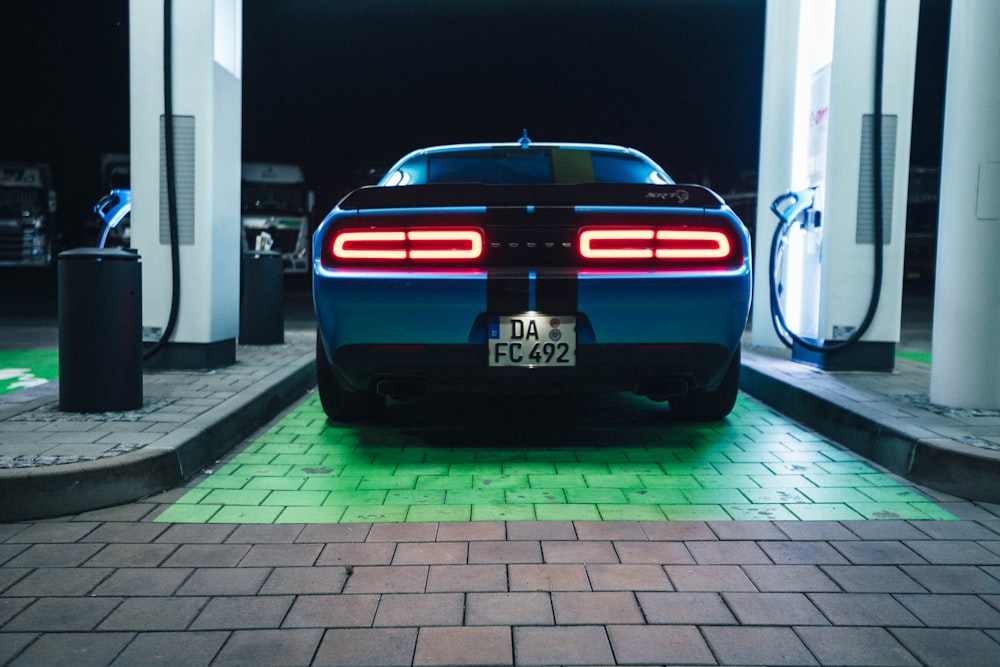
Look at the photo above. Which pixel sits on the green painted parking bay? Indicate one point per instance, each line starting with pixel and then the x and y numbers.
pixel 592 458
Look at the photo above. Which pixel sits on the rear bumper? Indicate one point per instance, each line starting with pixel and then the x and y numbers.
pixel 654 333
pixel 413 369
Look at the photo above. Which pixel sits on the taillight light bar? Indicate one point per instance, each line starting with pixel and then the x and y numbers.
pixel 662 246
pixel 405 245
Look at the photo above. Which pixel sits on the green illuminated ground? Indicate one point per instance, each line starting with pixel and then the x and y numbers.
pixel 590 458
pixel 20 369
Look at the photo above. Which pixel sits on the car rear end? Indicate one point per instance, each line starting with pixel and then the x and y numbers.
pixel 531 289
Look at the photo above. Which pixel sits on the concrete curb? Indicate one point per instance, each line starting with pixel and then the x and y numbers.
pixel 49 491
pixel 909 450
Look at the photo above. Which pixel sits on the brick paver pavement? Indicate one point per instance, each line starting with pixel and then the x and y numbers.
pixel 113 587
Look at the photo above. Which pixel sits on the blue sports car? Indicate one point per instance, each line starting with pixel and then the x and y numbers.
pixel 528 268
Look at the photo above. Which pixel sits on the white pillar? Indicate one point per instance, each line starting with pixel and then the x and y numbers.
pixel 207 107
pixel 777 141
pixel 965 370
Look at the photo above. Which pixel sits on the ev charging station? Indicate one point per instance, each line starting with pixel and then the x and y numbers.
pixel 191 270
pixel 834 72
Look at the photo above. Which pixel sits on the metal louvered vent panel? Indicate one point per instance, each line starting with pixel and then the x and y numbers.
pixel 865 232
pixel 183 178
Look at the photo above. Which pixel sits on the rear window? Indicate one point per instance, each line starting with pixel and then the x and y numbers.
pixel 515 166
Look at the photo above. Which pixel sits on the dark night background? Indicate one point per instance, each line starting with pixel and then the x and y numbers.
pixel 344 86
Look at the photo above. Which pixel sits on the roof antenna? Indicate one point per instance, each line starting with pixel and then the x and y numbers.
pixel 525 141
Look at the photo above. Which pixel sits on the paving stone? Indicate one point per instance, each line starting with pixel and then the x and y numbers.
pixel 638 577
pixel 403 532
pixel 863 647
pixel 774 609
pixel 343 532
pixel 677 531
pixel 878 552
pixel 8 551
pixel 885 530
pixel 809 552
pixel 464 646
pixel 191 649
pixel 467 578
pixel 73 649
pixel 521 551
pixel 12 643
pixel 373 553
pixel 954 552
pixel 609 530
pixel 241 613
pixel 195 533
pixel 541 530
pixel 62 615
pixel 142 581
pixel 508 609
pixel 709 578
pixel 279 555
pixel 872 579
pixel 225 581
pixel 594 608
pixel 576 645
pixel 933 646
pixel 10 607
pixel 951 611
pixel 266 534
pixel 789 578
pixel 59 581
pixel 53 532
pixel 279 648
pixel 566 577
pixel 332 611
pixel 878 609
pixel 400 610
pixel 54 555
pixel 207 555
pixel 685 608
pixel 154 614
pixel 653 552
pixel 955 530
pixel 431 553
pixel 657 644
pixel 367 647
pixel 390 579
pixel 724 553
pixel 757 646
pixel 746 530
pixel 131 555
pixel 953 578
pixel 579 552
pixel 815 530
pixel 304 580
pixel 476 531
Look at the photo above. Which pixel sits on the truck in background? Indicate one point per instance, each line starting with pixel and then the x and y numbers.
pixel 276 208
pixel 28 232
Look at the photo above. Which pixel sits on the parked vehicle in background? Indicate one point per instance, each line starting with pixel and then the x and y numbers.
pixel 116 181
pixel 276 208
pixel 28 232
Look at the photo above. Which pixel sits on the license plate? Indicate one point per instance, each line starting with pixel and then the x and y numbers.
pixel 532 340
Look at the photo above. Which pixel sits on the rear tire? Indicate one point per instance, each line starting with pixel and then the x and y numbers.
pixel 339 404
pixel 710 406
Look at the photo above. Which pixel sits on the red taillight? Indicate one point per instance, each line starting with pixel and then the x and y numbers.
pixel 681 246
pixel 622 243
pixel 415 245
pixel 692 244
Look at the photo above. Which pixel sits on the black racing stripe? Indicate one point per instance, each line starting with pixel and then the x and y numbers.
pixel 556 293
pixel 507 292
